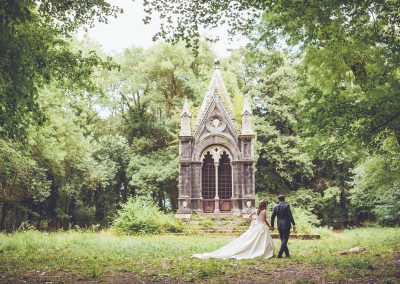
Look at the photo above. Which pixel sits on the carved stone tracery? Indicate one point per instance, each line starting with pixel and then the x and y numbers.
pixel 216 151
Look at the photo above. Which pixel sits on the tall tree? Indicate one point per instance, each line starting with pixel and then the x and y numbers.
pixel 350 49
pixel 34 50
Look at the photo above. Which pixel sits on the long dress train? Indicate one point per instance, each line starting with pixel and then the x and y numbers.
pixel 255 242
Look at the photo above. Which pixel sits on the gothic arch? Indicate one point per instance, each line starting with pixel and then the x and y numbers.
pixel 216 151
pixel 216 139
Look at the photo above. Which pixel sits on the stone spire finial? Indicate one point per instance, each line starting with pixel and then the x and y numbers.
pixel 185 108
pixel 185 119
pixel 247 115
pixel 246 107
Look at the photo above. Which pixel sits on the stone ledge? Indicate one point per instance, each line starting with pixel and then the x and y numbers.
pixel 274 235
pixel 299 236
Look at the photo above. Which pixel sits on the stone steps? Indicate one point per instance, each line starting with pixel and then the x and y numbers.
pixel 237 233
pixel 228 226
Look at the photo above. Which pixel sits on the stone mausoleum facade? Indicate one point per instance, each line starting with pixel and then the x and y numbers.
pixel 216 156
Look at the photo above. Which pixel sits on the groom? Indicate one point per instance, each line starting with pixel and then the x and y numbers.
pixel 285 219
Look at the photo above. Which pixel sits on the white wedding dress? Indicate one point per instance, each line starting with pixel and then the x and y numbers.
pixel 255 242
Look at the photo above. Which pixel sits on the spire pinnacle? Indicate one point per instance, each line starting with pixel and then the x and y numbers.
pixel 246 106
pixel 247 117
pixel 185 108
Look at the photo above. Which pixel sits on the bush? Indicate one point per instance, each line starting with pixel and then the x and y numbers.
pixel 306 221
pixel 142 216
pixel 303 205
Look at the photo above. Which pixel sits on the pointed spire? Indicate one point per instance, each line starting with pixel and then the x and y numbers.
pixel 246 107
pixel 185 108
pixel 247 115
pixel 185 119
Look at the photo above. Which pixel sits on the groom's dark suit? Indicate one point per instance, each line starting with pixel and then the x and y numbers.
pixel 285 220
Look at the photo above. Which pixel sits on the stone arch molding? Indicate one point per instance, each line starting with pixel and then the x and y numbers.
pixel 216 152
pixel 221 140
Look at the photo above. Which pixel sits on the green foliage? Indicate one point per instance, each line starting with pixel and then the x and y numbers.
pixel 99 146
pixel 23 183
pixel 282 164
pixel 141 216
pixel 34 51
pixel 376 186
pixel 155 175
pixel 325 112
pixel 307 199
pixel 306 221
pixel 305 206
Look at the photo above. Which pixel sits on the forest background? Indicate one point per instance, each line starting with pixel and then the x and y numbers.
pixel 81 132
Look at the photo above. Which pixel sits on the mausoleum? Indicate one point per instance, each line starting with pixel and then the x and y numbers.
pixel 216 156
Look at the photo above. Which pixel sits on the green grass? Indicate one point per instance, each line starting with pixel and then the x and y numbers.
pixel 94 255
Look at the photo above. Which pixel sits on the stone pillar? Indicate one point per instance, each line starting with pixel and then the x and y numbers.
pixel 185 171
pixel 197 199
pixel 236 189
pixel 185 175
pixel 247 172
pixel 184 198
pixel 216 210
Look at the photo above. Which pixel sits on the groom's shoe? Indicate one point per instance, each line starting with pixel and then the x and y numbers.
pixel 278 256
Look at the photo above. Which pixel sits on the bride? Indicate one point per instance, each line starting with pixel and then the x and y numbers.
pixel 255 242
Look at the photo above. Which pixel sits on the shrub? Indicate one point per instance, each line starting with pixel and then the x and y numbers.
pixel 207 223
pixel 142 216
pixel 306 221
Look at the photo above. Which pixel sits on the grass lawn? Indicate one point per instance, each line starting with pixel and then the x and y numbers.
pixel 74 256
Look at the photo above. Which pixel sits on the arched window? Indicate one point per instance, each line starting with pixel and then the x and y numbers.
pixel 208 177
pixel 216 161
pixel 224 177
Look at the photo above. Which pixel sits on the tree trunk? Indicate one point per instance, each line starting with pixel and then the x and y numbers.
pixel 4 212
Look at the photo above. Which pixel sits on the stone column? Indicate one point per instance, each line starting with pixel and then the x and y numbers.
pixel 236 188
pixel 197 199
pixel 185 174
pixel 216 210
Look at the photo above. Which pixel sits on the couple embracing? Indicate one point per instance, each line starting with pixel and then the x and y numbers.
pixel 257 240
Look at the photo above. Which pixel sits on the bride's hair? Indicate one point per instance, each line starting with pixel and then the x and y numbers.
pixel 261 206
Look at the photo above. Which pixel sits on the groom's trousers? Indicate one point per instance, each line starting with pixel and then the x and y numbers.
pixel 284 235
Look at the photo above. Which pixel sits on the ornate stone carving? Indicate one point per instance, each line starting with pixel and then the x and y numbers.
pixel 216 152
pixel 215 133
pixel 215 124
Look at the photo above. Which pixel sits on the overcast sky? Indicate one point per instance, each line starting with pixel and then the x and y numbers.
pixel 128 30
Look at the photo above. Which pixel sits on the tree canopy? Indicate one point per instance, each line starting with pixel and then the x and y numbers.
pixel 34 51
pixel 81 133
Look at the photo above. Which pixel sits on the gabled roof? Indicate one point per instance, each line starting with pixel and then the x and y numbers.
pixel 216 88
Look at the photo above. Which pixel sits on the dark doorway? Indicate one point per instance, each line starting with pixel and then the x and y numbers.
pixel 225 182
pixel 208 183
